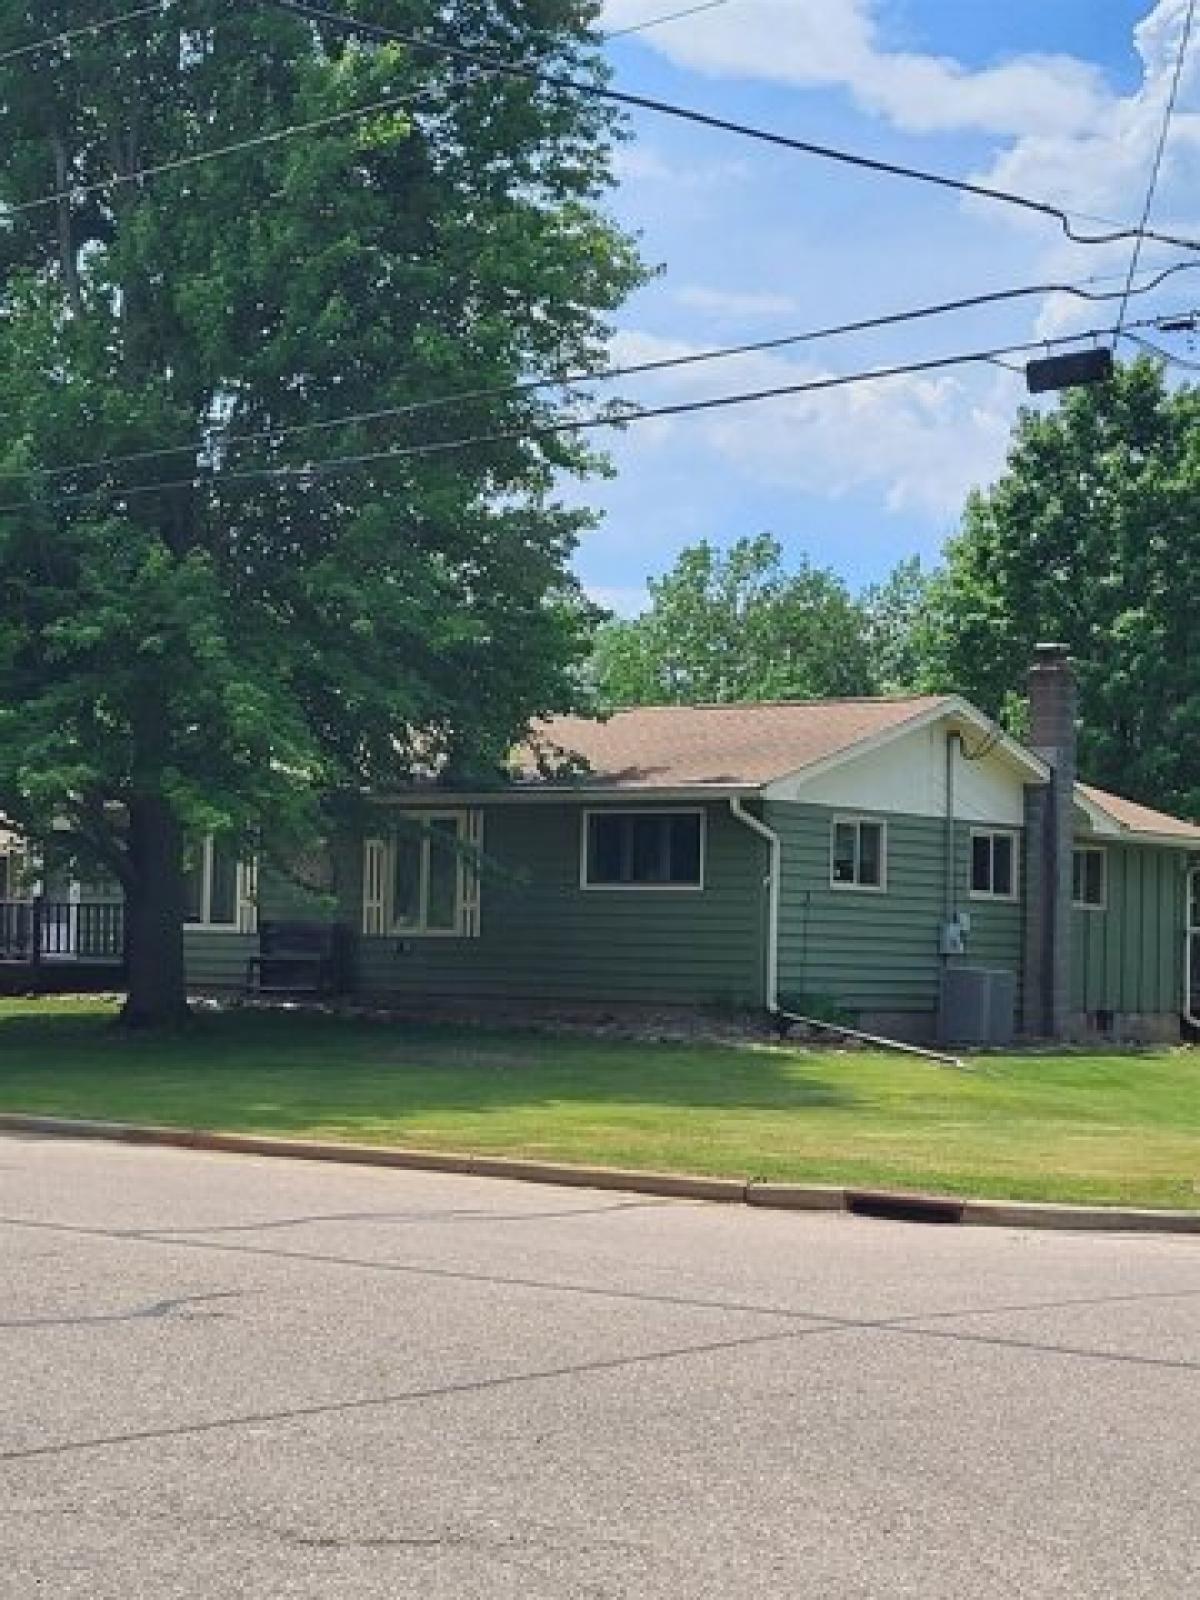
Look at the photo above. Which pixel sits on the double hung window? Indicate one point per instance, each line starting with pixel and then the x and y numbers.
pixel 993 865
pixel 1089 878
pixel 218 887
pixel 858 854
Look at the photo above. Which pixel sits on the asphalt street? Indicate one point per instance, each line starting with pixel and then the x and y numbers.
pixel 224 1377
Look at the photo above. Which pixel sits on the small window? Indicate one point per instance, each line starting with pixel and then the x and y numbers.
pixel 216 885
pixel 858 854
pixel 994 865
pixel 643 850
pixel 1089 874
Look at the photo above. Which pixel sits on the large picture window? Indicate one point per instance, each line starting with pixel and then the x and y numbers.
pixel 993 865
pixel 643 850
pixel 858 854
pixel 423 881
pixel 1089 878
pixel 218 887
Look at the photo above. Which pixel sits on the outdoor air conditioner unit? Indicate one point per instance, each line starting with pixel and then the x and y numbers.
pixel 978 1006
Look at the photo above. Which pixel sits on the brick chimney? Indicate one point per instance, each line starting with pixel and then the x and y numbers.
pixel 1049 842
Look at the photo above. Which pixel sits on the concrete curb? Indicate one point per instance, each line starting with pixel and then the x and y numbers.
pixel 883 1204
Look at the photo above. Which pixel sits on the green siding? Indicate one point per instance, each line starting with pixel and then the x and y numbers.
pixel 543 937
pixel 216 958
pixel 867 951
pixel 1129 957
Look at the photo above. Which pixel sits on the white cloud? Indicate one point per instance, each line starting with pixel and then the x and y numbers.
pixel 642 163
pixel 815 44
pixel 735 304
pixel 1101 172
pixel 922 440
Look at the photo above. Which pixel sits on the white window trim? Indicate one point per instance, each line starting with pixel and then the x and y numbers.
pixel 853 819
pixel 990 894
pixel 379 879
pixel 245 915
pixel 1091 850
pixel 642 888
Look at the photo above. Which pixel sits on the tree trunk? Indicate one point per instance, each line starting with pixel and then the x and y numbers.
pixel 154 918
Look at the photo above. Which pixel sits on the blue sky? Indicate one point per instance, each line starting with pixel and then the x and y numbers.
pixel 1061 99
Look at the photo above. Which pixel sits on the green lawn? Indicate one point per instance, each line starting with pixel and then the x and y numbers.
pixel 1112 1127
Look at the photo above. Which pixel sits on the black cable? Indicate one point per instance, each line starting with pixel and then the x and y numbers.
pixel 81 191
pixel 1156 167
pixel 1163 355
pixel 600 375
pixel 670 16
pixel 309 473
pixel 555 80
pixel 68 35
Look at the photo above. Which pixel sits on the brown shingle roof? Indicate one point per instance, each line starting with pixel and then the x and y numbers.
pixel 1140 819
pixel 722 746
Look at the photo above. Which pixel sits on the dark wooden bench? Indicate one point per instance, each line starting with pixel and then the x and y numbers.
pixel 301 958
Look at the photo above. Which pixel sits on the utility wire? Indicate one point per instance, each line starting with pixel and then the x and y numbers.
pixel 309 473
pixel 69 35
pixel 671 16
pixel 555 80
pixel 1156 168
pixel 1163 355
pixel 80 191
pixel 259 141
pixel 214 439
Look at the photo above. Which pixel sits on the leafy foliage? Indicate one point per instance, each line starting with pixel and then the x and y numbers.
pixel 736 626
pixel 201 631
pixel 1091 537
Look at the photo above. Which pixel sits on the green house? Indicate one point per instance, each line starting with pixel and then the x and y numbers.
pixel 900 865
pixel 883 862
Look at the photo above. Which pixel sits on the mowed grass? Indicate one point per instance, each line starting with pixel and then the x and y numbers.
pixel 1108 1128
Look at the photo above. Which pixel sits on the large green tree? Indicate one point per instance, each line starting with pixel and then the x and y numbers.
pixel 188 643
pixel 737 625
pixel 1091 536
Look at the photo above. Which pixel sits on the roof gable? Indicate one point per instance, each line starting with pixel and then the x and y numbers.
pixel 723 746
pixel 1130 818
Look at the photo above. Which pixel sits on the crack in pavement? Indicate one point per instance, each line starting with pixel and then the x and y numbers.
pixel 586 1290
pixel 414 1217
pixel 159 1310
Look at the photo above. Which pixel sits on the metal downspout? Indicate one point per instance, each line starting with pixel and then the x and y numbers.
pixel 1191 1000
pixel 953 741
pixel 756 825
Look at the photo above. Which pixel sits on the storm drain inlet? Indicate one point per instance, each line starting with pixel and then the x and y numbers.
pixel 903 1207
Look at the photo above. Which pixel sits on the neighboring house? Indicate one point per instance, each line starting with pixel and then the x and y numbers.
pixel 865 859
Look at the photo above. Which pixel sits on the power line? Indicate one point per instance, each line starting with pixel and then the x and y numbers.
pixel 1156 168
pixel 258 141
pixel 70 34
pixel 81 191
pixel 309 473
pixel 1163 355
pixel 611 374
pixel 494 64
pixel 671 16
